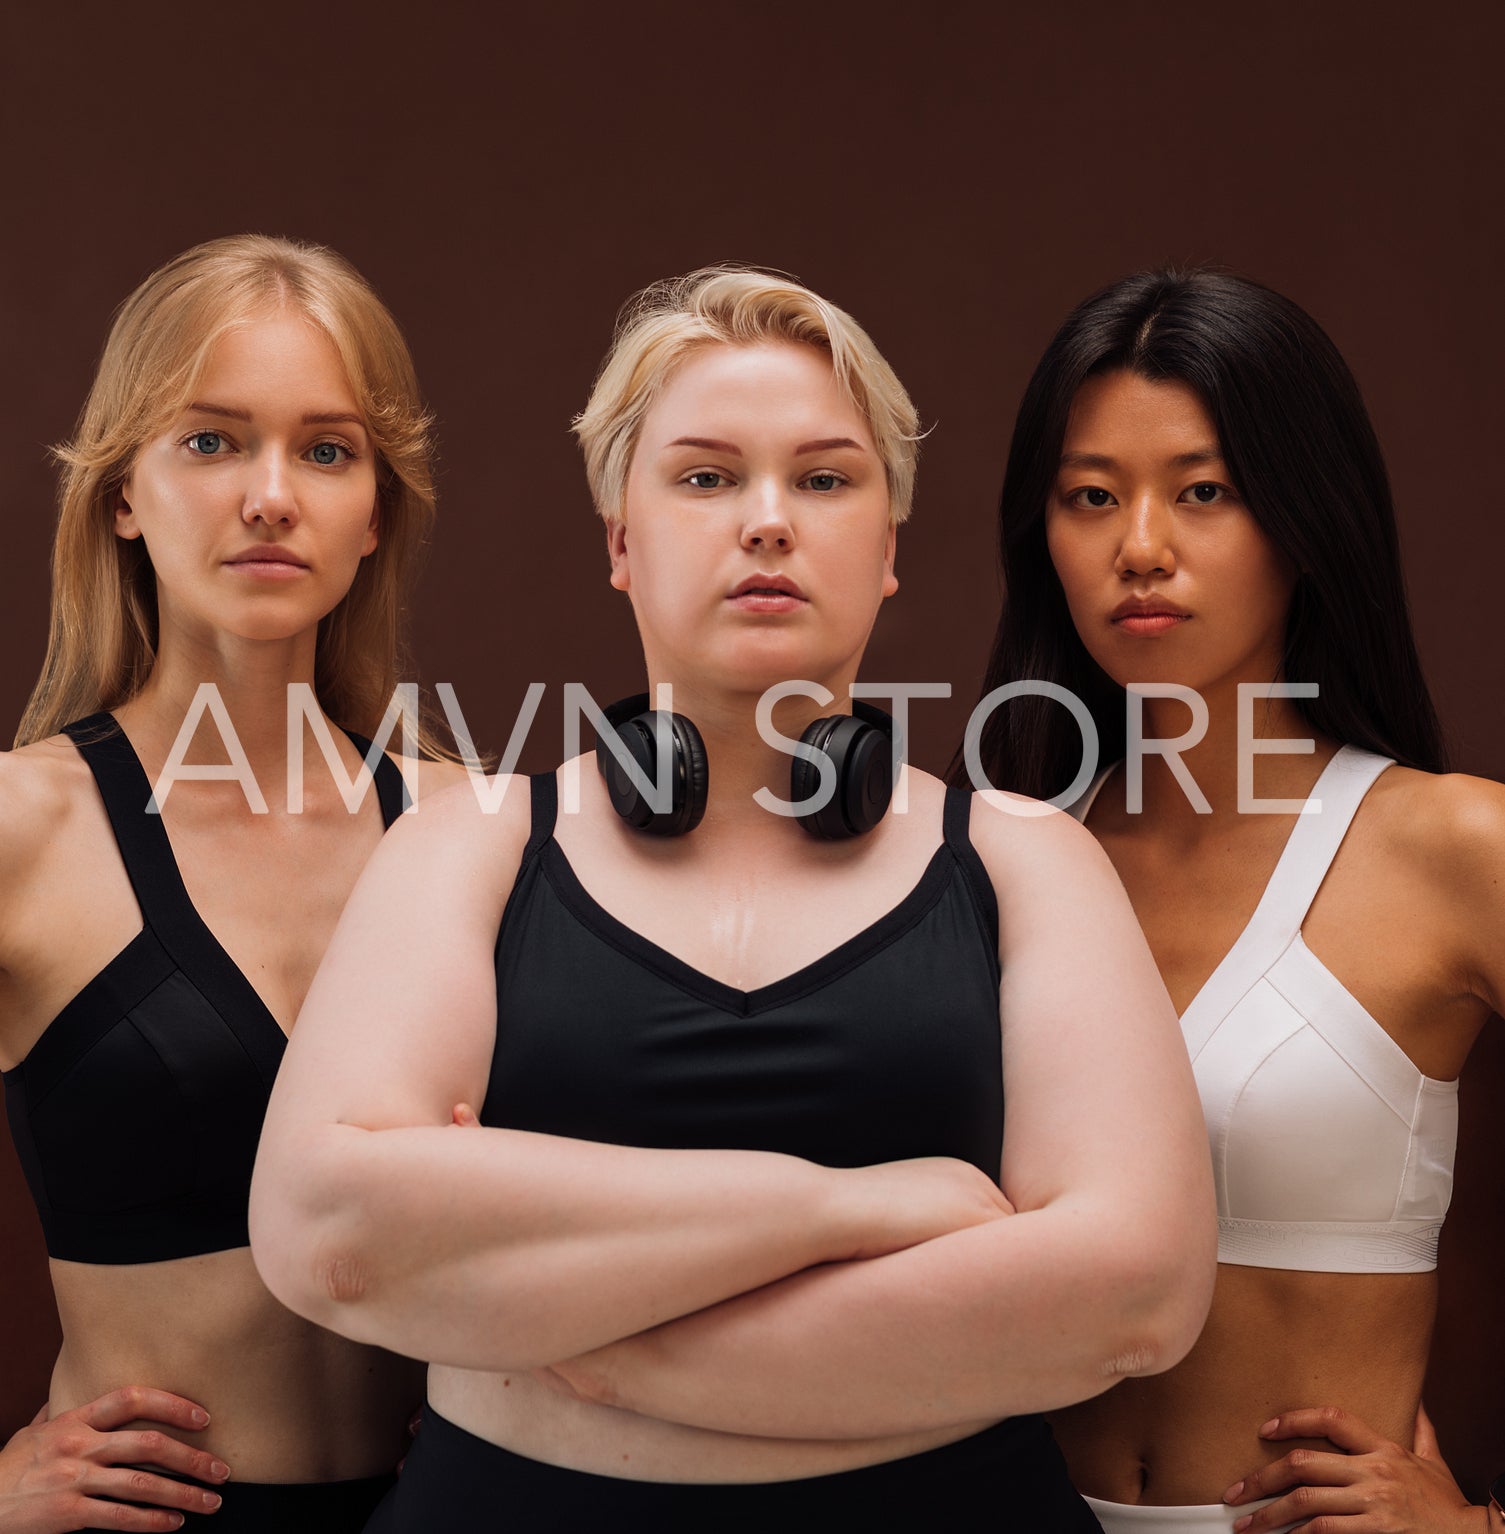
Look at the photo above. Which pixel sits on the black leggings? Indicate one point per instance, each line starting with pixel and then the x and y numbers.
pixel 1008 1477
pixel 318 1507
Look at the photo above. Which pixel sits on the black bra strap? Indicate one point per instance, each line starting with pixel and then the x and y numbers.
pixel 545 792
pixel 391 787
pixel 955 824
pixel 139 833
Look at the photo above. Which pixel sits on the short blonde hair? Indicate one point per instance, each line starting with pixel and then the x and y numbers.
pixel 737 306
pixel 103 638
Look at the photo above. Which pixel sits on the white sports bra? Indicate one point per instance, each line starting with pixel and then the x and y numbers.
pixel 1331 1152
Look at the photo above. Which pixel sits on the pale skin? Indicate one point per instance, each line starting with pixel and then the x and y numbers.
pixel 253 1391
pixel 809 1320
pixel 1303 1386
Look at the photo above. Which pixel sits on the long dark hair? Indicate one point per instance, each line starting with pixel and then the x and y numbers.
pixel 1301 451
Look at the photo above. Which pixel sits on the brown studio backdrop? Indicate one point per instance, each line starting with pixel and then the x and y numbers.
pixel 957 182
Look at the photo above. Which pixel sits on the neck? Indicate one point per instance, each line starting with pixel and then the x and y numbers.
pixel 252 679
pixel 741 760
pixel 1214 762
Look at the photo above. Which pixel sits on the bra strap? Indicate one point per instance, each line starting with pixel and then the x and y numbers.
pixel 545 800
pixel 956 822
pixel 139 833
pixel 1303 865
pixel 391 787
pixel 1316 837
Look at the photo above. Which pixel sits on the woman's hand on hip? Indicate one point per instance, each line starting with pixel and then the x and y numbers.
pixel 81 1469
pixel 1372 1486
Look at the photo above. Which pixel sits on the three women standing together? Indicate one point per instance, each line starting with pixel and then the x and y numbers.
pixel 739 1173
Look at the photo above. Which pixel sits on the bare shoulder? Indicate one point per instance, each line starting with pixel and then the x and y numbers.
pixel 476 820
pixel 1447 826
pixel 41 787
pixel 426 776
pixel 1027 837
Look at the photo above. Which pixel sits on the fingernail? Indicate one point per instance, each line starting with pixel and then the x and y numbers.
pixel 212 1500
pixel 1231 1495
pixel 1242 1523
pixel 200 1416
pixel 220 1472
pixel 1270 1426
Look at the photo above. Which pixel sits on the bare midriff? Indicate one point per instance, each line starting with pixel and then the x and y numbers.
pixel 1276 1340
pixel 519 1413
pixel 287 1401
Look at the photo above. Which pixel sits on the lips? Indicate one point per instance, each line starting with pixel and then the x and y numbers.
pixel 266 555
pixel 1147 615
pixel 767 585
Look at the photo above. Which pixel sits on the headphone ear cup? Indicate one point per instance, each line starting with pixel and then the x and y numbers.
pixel 862 755
pixel 689 776
pixel 692 774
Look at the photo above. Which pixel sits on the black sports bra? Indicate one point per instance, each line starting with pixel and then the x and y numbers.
pixel 885 1048
pixel 137 1112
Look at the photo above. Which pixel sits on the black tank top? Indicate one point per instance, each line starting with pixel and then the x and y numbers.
pixel 885 1048
pixel 136 1114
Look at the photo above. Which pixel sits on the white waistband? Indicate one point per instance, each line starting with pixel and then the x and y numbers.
pixel 1335 1246
pixel 1205 1518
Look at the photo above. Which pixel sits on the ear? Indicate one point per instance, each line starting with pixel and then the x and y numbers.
pixel 368 544
pixel 616 549
pixel 890 580
pixel 126 525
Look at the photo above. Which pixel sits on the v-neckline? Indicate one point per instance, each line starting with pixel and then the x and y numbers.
pixel 818 972
pixel 167 910
pixel 1259 933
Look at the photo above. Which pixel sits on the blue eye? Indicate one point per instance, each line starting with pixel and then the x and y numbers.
pixel 700 477
pixel 328 453
pixel 825 483
pixel 205 443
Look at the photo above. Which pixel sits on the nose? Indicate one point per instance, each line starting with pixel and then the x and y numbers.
pixel 767 523
pixel 1147 541
pixel 270 498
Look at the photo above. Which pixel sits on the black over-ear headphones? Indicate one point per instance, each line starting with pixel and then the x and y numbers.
pixel 858 745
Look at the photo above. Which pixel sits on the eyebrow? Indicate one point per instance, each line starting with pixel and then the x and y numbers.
pixel 713 443
pixel 1102 461
pixel 313 418
pixel 820 445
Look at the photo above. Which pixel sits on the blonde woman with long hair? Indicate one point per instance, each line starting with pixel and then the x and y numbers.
pixel 242 504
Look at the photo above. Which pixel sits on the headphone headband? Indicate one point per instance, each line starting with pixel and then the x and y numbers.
pixel 858 746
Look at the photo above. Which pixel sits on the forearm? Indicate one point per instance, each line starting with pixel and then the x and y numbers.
pixel 497 1249
pixel 1027 1313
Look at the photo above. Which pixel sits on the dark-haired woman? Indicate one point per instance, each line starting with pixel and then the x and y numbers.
pixel 1198 542
pixel 706 1061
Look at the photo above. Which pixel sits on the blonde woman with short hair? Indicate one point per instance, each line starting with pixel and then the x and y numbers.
pixel 242 504
pixel 726 1246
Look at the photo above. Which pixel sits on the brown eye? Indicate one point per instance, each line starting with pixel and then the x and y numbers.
pixel 1207 494
pixel 1091 498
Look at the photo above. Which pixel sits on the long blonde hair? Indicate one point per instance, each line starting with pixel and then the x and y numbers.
pixel 103 636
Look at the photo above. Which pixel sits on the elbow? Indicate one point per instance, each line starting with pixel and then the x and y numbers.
pixel 1163 1291
pixel 309 1240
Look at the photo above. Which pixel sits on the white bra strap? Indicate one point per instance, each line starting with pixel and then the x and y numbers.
pixel 1308 854
pixel 1316 837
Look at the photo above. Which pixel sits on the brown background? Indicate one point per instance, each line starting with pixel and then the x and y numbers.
pixel 957 176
